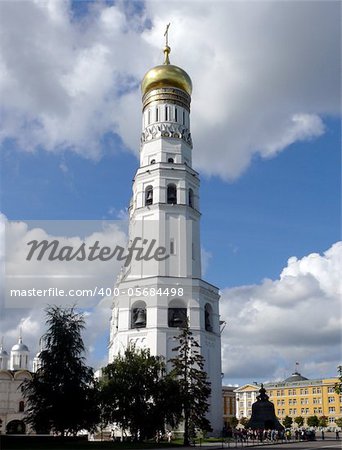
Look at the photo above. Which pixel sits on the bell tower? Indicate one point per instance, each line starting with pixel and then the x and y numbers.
pixel 155 296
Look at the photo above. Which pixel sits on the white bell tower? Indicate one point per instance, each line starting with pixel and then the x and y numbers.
pixel 156 295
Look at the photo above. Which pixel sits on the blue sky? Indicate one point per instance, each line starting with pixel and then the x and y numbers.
pixel 266 131
pixel 284 206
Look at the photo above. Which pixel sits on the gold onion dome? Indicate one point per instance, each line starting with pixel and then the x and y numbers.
pixel 166 75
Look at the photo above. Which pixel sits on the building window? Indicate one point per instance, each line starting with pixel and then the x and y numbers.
pixel 176 114
pixel 172 194
pixel 331 390
pixel 331 409
pixel 153 161
pixel 148 117
pixel 183 117
pixel 191 198
pixel 166 113
pixel 21 406
pixel 138 317
pixel 331 399
pixel 157 114
pixel 304 392
pixel 148 195
pixel 177 317
pixel 208 311
pixel 331 419
pixel 172 247
pixel 170 160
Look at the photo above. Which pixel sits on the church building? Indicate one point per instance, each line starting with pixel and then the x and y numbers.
pixel 14 369
pixel 154 297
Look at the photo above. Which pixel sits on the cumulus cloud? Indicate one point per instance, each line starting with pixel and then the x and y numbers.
pixel 27 313
pixel 265 74
pixel 294 318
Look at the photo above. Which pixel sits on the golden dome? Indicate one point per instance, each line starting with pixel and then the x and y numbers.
pixel 166 75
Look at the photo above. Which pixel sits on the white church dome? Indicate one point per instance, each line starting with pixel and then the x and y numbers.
pixel 20 347
pixel 3 353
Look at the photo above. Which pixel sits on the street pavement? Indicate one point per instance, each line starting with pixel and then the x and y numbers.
pixel 327 444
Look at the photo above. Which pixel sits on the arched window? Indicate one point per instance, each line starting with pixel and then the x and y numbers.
pixel 148 117
pixel 183 117
pixel 170 160
pixel 171 194
pixel 157 114
pixel 148 195
pixel 21 406
pixel 153 161
pixel 166 113
pixel 177 314
pixel 208 313
pixel 176 114
pixel 138 317
pixel 191 198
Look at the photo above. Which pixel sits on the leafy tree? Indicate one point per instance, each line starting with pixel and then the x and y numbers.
pixel 287 421
pixel 244 421
pixel 339 422
pixel 323 421
pixel 233 421
pixel 188 368
pixel 338 385
pixel 136 393
pixel 312 421
pixel 299 421
pixel 62 394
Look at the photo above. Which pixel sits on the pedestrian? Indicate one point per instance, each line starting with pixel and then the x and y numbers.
pixel 169 436
pixel 322 435
pixel 337 435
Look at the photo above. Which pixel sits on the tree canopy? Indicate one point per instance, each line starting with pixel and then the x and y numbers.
pixel 299 420
pixel 188 368
pixel 287 421
pixel 312 421
pixel 338 385
pixel 62 395
pixel 137 394
pixel 323 421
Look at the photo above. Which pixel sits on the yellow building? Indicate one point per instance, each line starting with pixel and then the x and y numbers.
pixel 229 404
pixel 295 396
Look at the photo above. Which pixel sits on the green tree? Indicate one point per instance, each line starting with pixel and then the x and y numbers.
pixel 287 421
pixel 188 368
pixel 299 420
pixel 323 421
pixel 137 393
pixel 62 394
pixel 339 422
pixel 233 422
pixel 312 421
pixel 338 385
pixel 244 421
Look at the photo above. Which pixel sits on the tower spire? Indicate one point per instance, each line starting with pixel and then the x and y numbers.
pixel 167 49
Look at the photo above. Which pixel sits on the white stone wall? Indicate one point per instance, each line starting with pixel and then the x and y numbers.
pixel 11 396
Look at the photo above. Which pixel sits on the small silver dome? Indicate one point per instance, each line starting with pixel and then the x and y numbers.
pixel 20 347
pixel 3 353
pixel 296 376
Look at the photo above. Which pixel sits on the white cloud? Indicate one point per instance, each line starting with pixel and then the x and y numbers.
pixel 295 318
pixel 26 314
pixel 264 74
pixel 269 326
